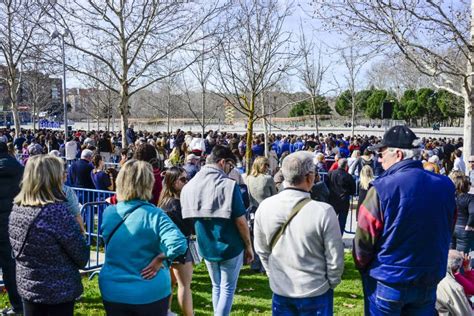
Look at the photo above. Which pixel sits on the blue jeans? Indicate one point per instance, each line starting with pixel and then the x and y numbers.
pixel 318 305
pixel 399 299
pixel 462 240
pixel 224 276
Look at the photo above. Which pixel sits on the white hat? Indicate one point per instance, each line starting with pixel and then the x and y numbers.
pixel 191 157
pixel 55 153
pixel 433 159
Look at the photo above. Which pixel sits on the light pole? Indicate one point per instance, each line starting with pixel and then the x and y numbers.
pixel 54 35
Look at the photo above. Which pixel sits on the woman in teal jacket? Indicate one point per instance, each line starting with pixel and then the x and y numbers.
pixel 140 240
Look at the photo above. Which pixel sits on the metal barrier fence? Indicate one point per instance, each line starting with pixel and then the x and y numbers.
pixel 93 206
pixel 91 213
pixel 353 199
pixel 89 195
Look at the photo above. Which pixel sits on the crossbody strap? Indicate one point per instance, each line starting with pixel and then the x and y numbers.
pixel 293 213
pixel 121 222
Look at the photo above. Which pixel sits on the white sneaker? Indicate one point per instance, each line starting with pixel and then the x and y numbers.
pixel 170 313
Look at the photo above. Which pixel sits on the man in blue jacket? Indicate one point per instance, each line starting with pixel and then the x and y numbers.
pixel 404 230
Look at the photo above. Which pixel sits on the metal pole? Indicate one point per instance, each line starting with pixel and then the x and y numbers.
pixel 64 88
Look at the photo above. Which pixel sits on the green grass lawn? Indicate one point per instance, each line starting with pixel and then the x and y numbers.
pixel 253 295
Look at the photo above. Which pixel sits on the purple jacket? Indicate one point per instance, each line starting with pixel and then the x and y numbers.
pixel 54 251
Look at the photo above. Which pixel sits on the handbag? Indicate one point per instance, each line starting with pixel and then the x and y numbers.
pixel 282 228
pixel 121 222
pixel 194 250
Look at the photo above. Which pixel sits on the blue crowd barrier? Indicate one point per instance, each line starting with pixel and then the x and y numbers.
pixel 90 195
pixel 91 213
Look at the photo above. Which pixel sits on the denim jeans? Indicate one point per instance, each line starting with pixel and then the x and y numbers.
pixel 462 240
pixel 321 305
pixel 399 299
pixel 224 276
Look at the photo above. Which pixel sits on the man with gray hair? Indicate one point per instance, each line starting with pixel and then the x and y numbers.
pixel 79 173
pixel 341 187
pixel 451 297
pixel 299 243
pixel 404 229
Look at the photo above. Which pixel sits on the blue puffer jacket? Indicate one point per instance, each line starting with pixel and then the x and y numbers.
pixel 54 251
pixel 418 213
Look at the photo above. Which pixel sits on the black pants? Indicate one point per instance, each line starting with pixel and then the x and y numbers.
pixel 7 264
pixel 158 308
pixel 36 309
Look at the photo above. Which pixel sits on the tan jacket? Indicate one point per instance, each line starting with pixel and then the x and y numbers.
pixel 451 299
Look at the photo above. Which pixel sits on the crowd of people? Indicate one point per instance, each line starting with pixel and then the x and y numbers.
pixel 183 197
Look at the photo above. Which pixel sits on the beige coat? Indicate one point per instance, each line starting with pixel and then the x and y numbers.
pixel 451 299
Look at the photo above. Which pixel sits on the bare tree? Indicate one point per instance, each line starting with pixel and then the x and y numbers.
pixel 206 114
pixel 393 72
pixel 139 35
pixel 436 37
pixel 20 22
pixel 354 61
pixel 311 71
pixel 201 70
pixel 37 86
pixel 99 101
pixel 252 58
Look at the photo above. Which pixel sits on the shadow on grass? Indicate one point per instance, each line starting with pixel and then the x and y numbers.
pixel 350 271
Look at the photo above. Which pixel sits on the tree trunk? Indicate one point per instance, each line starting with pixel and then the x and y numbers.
pixel 248 148
pixel 469 98
pixel 109 109
pixel 203 109
pixel 33 117
pixel 315 115
pixel 265 127
pixel 13 88
pixel 124 113
pixel 353 115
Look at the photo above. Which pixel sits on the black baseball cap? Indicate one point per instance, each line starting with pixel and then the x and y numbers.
pixel 398 136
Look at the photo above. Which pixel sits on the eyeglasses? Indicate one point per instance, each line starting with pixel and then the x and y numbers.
pixel 183 179
pixel 380 154
pixel 231 164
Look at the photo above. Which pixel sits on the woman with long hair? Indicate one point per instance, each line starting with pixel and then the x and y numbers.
pixel 366 176
pixel 47 243
pixel 182 267
pixel 101 179
pixel 463 235
pixel 140 241
pixel 259 183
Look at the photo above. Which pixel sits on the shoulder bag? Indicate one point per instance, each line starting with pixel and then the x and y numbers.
pixel 282 228
pixel 121 222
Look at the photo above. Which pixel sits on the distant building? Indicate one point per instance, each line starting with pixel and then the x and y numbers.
pixel 36 89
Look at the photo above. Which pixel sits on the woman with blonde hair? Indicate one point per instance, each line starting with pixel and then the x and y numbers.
pixel 365 178
pixel 260 184
pixel 182 268
pixel 46 239
pixel 140 242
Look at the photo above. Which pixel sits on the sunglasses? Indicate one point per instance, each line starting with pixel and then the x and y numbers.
pixel 183 179
pixel 231 164
pixel 380 154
